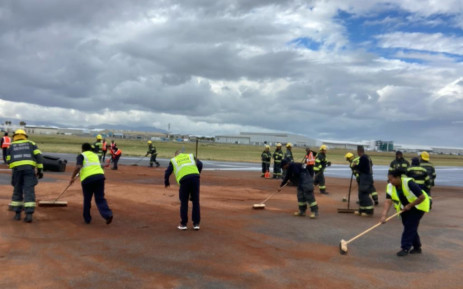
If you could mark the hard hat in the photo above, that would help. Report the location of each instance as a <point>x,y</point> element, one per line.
<point>288,145</point>
<point>323,147</point>
<point>99,136</point>
<point>267,146</point>
<point>278,144</point>
<point>425,156</point>
<point>149,142</point>
<point>349,155</point>
<point>20,131</point>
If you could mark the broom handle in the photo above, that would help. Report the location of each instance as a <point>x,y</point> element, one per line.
<point>65,190</point>
<point>368,230</point>
<point>350,187</point>
<point>271,195</point>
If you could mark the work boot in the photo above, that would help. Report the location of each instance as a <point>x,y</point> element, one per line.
<point>299,214</point>
<point>17,216</point>
<point>376,203</point>
<point>109,220</point>
<point>415,251</point>
<point>157,165</point>
<point>323,192</point>
<point>313,215</point>
<point>182,227</point>
<point>402,253</point>
<point>28,218</point>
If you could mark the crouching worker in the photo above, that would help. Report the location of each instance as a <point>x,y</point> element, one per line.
<point>186,169</point>
<point>23,156</point>
<point>406,195</point>
<point>92,179</point>
<point>301,177</point>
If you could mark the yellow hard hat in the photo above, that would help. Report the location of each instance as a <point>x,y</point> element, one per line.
<point>20,131</point>
<point>99,136</point>
<point>278,144</point>
<point>425,156</point>
<point>323,148</point>
<point>267,146</point>
<point>349,155</point>
<point>149,142</point>
<point>288,145</point>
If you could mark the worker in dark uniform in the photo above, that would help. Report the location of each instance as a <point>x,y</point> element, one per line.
<point>365,183</point>
<point>23,157</point>
<point>115,156</point>
<point>419,175</point>
<point>406,195</point>
<point>424,163</point>
<point>92,179</point>
<point>266,158</point>
<point>353,163</point>
<point>300,176</point>
<point>187,170</point>
<point>5,144</point>
<point>319,168</point>
<point>277,158</point>
<point>152,151</point>
<point>399,163</point>
<point>104,149</point>
<point>289,152</point>
<point>97,147</point>
<point>309,160</point>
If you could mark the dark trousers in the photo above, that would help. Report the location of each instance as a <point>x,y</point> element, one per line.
<point>319,181</point>
<point>115,161</point>
<point>95,188</point>
<point>277,169</point>
<point>306,197</point>
<point>24,182</point>
<point>411,221</point>
<point>364,191</point>
<point>189,190</point>
<point>153,160</point>
<point>265,167</point>
<point>4,154</point>
<point>104,156</point>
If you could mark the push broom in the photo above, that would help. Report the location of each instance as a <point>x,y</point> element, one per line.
<point>348,210</point>
<point>55,202</point>
<point>343,244</point>
<point>261,205</point>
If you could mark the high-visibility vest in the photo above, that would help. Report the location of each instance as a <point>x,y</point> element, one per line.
<point>184,164</point>
<point>310,159</point>
<point>392,192</point>
<point>91,165</point>
<point>104,146</point>
<point>6,142</point>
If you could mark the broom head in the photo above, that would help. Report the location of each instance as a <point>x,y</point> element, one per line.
<point>258,206</point>
<point>53,204</point>
<point>346,211</point>
<point>343,247</point>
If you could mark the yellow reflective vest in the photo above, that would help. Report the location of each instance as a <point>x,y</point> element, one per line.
<point>392,192</point>
<point>184,164</point>
<point>91,165</point>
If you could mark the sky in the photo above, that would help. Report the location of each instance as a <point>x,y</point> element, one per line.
<point>349,70</point>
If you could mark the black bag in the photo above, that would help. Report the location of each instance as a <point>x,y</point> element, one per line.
<point>54,164</point>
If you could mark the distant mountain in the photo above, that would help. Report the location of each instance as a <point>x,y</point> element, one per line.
<point>15,122</point>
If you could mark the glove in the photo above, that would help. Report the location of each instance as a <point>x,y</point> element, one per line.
<point>328,164</point>
<point>39,173</point>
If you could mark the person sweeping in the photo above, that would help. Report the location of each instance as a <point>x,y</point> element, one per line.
<point>304,181</point>
<point>406,196</point>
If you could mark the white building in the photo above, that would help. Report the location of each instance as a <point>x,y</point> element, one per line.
<point>256,138</point>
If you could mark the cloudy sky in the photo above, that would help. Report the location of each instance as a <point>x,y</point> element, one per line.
<point>339,70</point>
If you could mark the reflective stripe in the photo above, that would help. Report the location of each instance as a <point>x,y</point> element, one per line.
<point>322,187</point>
<point>16,204</point>
<point>374,194</point>
<point>22,163</point>
<point>313,204</point>
<point>301,203</point>
<point>29,204</point>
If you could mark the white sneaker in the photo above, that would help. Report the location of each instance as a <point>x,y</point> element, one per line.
<point>196,227</point>
<point>182,227</point>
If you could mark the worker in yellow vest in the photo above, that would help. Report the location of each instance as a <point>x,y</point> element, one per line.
<point>92,180</point>
<point>23,157</point>
<point>187,169</point>
<point>5,144</point>
<point>406,195</point>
